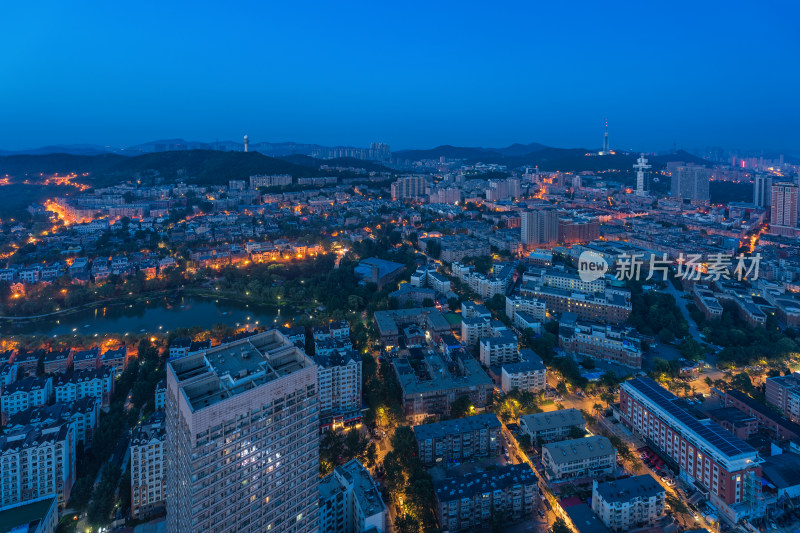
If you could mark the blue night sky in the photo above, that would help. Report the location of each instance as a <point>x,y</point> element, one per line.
<point>414,75</point>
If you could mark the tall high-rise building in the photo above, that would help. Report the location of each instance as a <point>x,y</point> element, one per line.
<point>408,187</point>
<point>243,437</point>
<point>689,182</point>
<point>642,175</point>
<point>762,190</point>
<point>148,479</point>
<point>783,213</point>
<point>539,227</point>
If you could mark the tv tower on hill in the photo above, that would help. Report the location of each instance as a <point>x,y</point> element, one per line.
<point>605,141</point>
<point>246,142</point>
<point>641,166</point>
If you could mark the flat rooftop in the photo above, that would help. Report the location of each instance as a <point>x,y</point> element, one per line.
<point>21,516</point>
<point>456,427</point>
<point>221,372</point>
<point>623,490</point>
<point>438,375</point>
<point>579,449</point>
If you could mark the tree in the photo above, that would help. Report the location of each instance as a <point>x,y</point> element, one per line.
<point>453,303</point>
<point>691,349</point>
<point>665,336</point>
<point>561,388</point>
<point>576,433</point>
<point>560,526</point>
<point>461,407</point>
<point>742,383</point>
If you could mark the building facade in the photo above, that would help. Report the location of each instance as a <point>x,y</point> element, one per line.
<point>469,501</point>
<point>350,501</point>
<point>629,503</point>
<point>37,462</point>
<point>148,475</point>
<point>553,425</point>
<point>577,458</point>
<point>457,440</point>
<point>242,427</point>
<point>723,467</point>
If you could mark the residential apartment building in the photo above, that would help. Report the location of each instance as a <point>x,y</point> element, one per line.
<point>470,501</point>
<point>242,428</point>
<point>148,474</point>
<point>37,462</point>
<point>619,344</point>
<point>576,458</point>
<point>612,306</point>
<point>339,379</point>
<point>457,440</point>
<point>350,501</point>
<point>499,350</point>
<point>409,187</point>
<point>475,328</point>
<point>431,389</point>
<point>116,359</point>
<point>567,281</point>
<point>84,414</point>
<point>428,277</point>
<point>723,467</point>
<point>8,374</point>
<point>97,383</point>
<point>161,395</point>
<point>539,227</point>
<point>36,516</point>
<point>24,394</point>
<point>689,182</point>
<point>390,324</point>
<point>629,503</point>
<point>86,359</point>
<point>552,426</point>
<point>529,374</point>
<point>518,304</point>
<point>777,426</point>
<point>56,361</point>
<point>784,393</point>
<point>783,209</point>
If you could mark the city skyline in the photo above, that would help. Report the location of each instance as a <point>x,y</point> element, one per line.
<point>461,77</point>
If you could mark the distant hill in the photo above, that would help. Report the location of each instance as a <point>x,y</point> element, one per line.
<point>76,149</point>
<point>346,162</point>
<point>545,157</point>
<point>193,166</point>
<point>517,149</point>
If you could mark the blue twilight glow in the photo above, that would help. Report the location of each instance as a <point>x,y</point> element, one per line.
<point>410,74</point>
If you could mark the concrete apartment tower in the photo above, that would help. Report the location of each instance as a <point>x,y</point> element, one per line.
<point>242,438</point>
